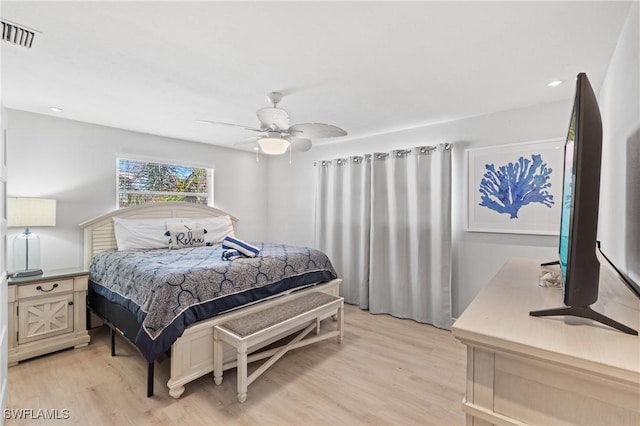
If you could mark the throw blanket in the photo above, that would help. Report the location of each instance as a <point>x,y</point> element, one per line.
<point>169,290</point>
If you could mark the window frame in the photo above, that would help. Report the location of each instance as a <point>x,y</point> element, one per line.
<point>147,159</point>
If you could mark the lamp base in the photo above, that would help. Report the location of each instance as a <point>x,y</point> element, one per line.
<point>27,273</point>
<point>26,253</point>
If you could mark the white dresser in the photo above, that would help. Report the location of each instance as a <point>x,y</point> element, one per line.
<point>549,370</point>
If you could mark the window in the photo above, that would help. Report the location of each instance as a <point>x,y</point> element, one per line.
<point>142,182</point>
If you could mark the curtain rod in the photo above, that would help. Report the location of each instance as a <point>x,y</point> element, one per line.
<point>381,155</point>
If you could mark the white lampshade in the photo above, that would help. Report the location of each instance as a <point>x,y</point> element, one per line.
<point>31,212</point>
<point>26,246</point>
<point>273,146</point>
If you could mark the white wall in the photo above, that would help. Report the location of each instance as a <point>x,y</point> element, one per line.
<point>619,100</point>
<point>75,163</point>
<point>476,256</point>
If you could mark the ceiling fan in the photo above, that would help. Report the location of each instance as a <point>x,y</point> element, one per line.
<point>277,134</point>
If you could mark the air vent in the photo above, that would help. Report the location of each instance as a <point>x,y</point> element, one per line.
<point>17,34</point>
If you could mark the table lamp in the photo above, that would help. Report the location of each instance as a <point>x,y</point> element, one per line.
<point>26,246</point>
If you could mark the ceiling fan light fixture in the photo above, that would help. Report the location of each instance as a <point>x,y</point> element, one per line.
<point>273,146</point>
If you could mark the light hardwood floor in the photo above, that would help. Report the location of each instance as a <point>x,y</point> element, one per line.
<point>388,371</point>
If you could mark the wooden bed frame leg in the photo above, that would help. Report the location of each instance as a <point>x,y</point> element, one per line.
<point>113,342</point>
<point>176,391</point>
<point>150,380</point>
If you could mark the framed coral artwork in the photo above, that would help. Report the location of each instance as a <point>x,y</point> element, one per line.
<point>515,188</point>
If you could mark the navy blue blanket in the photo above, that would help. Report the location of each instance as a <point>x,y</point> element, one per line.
<point>168,290</point>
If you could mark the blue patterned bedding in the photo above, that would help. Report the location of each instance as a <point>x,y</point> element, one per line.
<point>168,290</point>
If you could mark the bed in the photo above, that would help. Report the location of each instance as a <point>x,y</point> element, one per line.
<point>187,331</point>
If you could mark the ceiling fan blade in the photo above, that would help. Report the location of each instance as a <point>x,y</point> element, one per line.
<point>253,129</point>
<point>299,144</point>
<point>247,141</point>
<point>273,118</point>
<point>317,130</point>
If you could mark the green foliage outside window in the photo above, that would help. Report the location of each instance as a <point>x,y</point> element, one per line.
<point>142,182</point>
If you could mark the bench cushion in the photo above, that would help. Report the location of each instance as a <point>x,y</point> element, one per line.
<point>252,323</point>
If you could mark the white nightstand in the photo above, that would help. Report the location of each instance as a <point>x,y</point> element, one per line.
<point>47,313</point>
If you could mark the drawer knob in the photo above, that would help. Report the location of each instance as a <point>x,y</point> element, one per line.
<point>55,285</point>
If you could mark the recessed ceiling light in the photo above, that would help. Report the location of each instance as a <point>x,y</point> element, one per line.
<point>555,83</point>
<point>55,109</point>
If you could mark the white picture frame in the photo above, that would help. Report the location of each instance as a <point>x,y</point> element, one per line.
<point>508,190</point>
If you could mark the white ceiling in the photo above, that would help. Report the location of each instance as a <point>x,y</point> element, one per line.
<point>368,67</point>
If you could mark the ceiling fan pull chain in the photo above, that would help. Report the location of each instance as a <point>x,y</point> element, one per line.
<point>290,154</point>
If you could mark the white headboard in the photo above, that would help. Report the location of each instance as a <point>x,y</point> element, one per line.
<point>99,235</point>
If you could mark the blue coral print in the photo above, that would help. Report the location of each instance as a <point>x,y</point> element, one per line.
<point>512,186</point>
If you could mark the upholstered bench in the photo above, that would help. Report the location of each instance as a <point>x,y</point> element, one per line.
<point>251,330</point>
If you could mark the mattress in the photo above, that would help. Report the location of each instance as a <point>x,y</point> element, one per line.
<point>168,290</point>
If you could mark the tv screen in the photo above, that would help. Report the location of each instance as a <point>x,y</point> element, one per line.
<point>580,268</point>
<point>567,191</point>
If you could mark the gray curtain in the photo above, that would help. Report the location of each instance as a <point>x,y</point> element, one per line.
<point>343,200</point>
<point>384,220</point>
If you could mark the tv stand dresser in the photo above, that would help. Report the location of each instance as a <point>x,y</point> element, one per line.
<point>553,370</point>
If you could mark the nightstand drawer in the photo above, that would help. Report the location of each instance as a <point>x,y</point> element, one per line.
<point>45,288</point>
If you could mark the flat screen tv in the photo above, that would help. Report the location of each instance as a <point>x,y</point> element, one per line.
<point>580,268</point>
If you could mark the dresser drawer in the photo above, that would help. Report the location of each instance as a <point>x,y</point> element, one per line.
<point>45,288</point>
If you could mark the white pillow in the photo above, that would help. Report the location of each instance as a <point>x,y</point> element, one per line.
<point>134,234</point>
<point>217,227</point>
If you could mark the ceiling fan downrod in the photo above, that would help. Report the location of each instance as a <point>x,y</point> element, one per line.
<point>274,98</point>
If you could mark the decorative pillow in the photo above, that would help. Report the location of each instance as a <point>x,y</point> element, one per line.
<point>231,243</point>
<point>185,235</point>
<point>217,227</point>
<point>134,234</point>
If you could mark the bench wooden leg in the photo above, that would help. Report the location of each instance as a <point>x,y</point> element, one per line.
<point>217,357</point>
<point>341,322</point>
<point>242,372</point>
